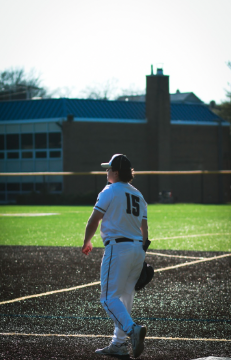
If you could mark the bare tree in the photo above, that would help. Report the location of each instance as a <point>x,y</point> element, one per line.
<point>109,91</point>
<point>132,93</point>
<point>62,92</point>
<point>15,84</point>
<point>224,109</point>
<point>228,92</point>
<point>104,91</point>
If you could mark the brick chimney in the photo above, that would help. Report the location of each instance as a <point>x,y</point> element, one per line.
<point>158,127</point>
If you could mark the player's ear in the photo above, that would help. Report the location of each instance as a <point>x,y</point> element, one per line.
<point>117,174</point>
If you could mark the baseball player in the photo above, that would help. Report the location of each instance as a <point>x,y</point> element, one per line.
<point>124,230</point>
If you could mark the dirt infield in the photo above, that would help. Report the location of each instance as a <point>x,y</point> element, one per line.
<point>186,309</point>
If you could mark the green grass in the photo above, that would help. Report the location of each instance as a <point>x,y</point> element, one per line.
<point>166,223</point>
<point>212,222</point>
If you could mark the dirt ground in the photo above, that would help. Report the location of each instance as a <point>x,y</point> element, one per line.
<point>186,309</point>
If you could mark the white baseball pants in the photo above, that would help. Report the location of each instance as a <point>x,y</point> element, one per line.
<point>120,269</point>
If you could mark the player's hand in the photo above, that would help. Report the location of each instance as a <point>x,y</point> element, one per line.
<point>87,248</point>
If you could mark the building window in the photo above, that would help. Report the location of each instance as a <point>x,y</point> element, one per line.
<point>13,187</point>
<point>40,187</point>
<point>27,154</point>
<point>22,146</point>
<point>54,140</point>
<point>41,141</point>
<point>13,155</point>
<point>12,141</point>
<point>2,142</point>
<point>27,186</point>
<point>55,154</point>
<point>55,186</point>
<point>41,154</point>
<point>2,197</point>
<point>12,197</point>
<point>2,186</point>
<point>26,141</point>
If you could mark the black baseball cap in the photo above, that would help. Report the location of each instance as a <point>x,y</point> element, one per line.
<point>118,162</point>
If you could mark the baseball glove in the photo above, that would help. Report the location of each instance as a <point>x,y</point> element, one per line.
<point>146,276</point>
<point>147,272</point>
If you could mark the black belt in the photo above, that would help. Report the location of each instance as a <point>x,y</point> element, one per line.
<point>119,240</point>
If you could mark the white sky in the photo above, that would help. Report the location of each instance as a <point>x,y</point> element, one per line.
<point>75,44</point>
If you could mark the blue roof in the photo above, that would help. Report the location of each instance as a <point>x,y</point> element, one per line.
<point>60,108</point>
<point>97,109</point>
<point>192,112</point>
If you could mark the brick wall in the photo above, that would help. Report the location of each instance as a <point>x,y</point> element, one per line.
<point>155,145</point>
<point>197,148</point>
<point>87,145</point>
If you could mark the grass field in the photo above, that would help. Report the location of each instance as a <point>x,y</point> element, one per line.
<point>175,227</point>
<point>49,297</point>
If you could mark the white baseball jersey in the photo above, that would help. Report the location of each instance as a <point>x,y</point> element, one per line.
<point>124,208</point>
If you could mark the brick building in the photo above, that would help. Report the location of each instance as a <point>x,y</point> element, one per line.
<point>77,135</point>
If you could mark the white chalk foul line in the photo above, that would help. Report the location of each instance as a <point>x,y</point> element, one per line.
<point>98,282</point>
<point>189,236</point>
<point>110,336</point>
<point>193,262</point>
<point>176,256</point>
<point>50,293</point>
<point>30,214</point>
